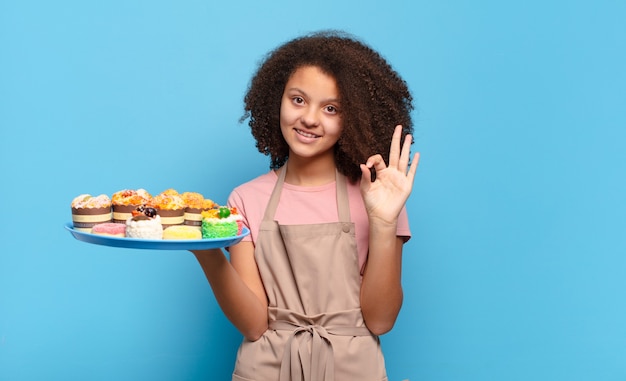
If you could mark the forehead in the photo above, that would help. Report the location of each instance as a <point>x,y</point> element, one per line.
<point>312,78</point>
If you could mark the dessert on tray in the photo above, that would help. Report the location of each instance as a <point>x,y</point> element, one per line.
<point>170,206</point>
<point>182,232</point>
<point>221,222</point>
<point>195,203</point>
<point>168,216</point>
<point>127,200</point>
<point>110,228</point>
<point>145,223</point>
<point>88,211</point>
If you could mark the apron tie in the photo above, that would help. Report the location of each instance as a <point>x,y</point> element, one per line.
<point>319,363</point>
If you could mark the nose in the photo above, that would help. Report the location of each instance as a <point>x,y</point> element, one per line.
<point>310,118</point>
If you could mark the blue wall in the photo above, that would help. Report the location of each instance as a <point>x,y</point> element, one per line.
<point>516,268</point>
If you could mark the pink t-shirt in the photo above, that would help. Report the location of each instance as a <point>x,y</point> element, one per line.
<point>305,205</point>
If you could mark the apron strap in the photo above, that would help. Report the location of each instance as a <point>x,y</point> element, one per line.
<point>343,203</point>
<point>275,197</point>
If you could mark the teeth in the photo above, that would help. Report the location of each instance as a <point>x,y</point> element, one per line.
<point>306,134</point>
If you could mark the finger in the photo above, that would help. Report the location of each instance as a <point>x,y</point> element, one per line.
<point>366,176</point>
<point>405,155</point>
<point>413,168</point>
<point>394,150</point>
<point>376,161</point>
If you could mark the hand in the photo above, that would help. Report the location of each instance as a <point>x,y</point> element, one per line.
<point>385,197</point>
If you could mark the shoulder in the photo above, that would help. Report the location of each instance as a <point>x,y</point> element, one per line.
<point>254,194</point>
<point>263,184</point>
<point>251,199</point>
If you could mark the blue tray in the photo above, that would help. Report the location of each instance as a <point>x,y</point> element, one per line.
<point>156,244</point>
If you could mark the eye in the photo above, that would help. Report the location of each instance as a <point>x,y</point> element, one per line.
<point>297,100</point>
<point>331,109</point>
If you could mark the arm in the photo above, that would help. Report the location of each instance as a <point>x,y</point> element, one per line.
<point>381,289</point>
<point>384,198</point>
<point>237,287</point>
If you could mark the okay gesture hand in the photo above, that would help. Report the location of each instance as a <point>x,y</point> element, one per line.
<point>385,197</point>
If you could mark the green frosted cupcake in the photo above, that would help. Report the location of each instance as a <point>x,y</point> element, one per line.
<point>218,228</point>
<point>220,223</point>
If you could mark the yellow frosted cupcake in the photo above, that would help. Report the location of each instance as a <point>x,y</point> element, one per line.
<point>170,206</point>
<point>127,200</point>
<point>195,203</point>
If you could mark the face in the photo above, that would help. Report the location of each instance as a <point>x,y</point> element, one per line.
<point>310,114</point>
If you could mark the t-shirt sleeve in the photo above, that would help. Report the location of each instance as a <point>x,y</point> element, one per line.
<point>236,200</point>
<point>403,229</point>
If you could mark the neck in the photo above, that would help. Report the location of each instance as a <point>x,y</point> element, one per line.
<point>310,172</point>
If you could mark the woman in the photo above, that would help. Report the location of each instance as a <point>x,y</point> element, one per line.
<point>318,279</point>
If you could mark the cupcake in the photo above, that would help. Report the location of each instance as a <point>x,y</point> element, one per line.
<point>127,200</point>
<point>144,223</point>
<point>222,222</point>
<point>170,206</point>
<point>195,203</point>
<point>88,211</point>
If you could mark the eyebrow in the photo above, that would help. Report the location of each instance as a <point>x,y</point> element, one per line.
<point>330,100</point>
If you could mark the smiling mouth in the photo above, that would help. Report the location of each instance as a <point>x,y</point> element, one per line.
<point>306,134</point>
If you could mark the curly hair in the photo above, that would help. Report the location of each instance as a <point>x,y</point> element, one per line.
<point>374,98</point>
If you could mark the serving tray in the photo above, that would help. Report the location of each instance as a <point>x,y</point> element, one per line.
<point>156,244</point>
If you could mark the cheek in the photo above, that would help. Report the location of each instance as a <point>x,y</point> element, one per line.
<point>287,115</point>
<point>336,126</point>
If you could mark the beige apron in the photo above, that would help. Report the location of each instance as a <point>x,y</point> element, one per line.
<point>311,276</point>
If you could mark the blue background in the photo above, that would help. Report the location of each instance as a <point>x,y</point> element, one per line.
<point>516,268</point>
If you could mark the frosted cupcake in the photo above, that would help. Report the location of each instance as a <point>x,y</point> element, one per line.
<point>195,203</point>
<point>88,211</point>
<point>145,223</point>
<point>222,222</point>
<point>127,200</point>
<point>170,206</point>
